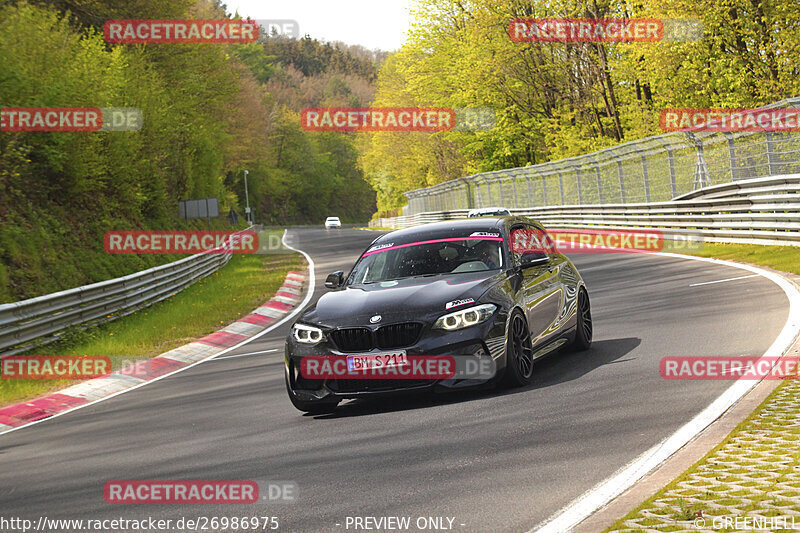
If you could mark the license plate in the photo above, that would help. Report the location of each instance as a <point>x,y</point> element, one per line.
<point>376,361</point>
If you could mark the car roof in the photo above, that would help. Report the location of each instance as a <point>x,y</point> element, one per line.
<point>488,209</point>
<point>461,227</point>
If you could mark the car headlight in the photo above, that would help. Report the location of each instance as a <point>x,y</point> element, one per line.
<point>465,317</point>
<point>307,334</point>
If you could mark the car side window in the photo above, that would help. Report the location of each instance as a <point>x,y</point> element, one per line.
<point>529,240</point>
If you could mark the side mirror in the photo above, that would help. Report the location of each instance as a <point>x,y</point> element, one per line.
<point>334,280</point>
<point>534,259</point>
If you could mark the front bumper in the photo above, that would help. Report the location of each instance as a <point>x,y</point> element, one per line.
<point>487,339</point>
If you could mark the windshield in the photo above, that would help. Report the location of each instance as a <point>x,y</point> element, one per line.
<point>427,258</point>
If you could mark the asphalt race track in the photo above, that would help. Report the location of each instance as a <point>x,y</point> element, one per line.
<point>492,461</point>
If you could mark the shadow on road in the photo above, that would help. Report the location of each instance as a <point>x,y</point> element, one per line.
<point>552,370</point>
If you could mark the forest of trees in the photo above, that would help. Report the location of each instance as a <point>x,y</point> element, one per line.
<point>555,100</point>
<point>210,111</point>
<point>213,110</point>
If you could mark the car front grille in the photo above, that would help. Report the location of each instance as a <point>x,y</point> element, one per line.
<point>397,335</point>
<point>352,339</point>
<point>388,337</point>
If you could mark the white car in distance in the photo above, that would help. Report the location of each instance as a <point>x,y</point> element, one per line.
<point>333,222</point>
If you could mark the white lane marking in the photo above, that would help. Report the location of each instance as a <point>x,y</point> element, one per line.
<point>605,491</point>
<point>303,304</point>
<point>723,280</point>
<point>244,354</point>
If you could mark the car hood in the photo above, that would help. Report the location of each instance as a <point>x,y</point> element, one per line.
<point>406,299</point>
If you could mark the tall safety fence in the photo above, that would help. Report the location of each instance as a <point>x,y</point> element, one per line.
<point>655,169</point>
<point>754,211</point>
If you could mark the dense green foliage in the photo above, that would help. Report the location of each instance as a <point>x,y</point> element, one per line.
<point>210,111</point>
<point>555,100</point>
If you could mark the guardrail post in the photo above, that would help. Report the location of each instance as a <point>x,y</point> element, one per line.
<point>561,186</point>
<point>672,183</point>
<point>530,194</point>
<point>514,188</point>
<point>468,191</point>
<point>578,183</point>
<point>671,162</point>
<point>620,175</point>
<point>544,191</point>
<point>732,155</point>
<point>645,177</point>
<point>597,176</point>
<point>772,165</point>
<point>488,190</point>
<point>701,177</point>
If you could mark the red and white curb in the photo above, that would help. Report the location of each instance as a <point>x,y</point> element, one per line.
<point>287,298</point>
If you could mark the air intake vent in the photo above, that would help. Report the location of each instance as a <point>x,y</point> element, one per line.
<point>397,335</point>
<point>352,339</point>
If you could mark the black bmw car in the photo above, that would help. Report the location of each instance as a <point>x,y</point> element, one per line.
<point>472,288</point>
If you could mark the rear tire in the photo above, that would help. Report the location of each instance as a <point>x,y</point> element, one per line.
<point>584,326</point>
<point>519,352</point>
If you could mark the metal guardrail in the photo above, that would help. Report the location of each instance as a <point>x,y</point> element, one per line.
<point>753,211</point>
<point>654,169</point>
<point>36,321</point>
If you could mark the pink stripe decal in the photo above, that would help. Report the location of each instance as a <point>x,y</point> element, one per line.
<point>433,241</point>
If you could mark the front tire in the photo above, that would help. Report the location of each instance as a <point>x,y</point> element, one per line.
<point>519,352</point>
<point>584,326</point>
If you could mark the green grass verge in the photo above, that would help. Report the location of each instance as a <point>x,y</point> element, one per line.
<point>682,511</point>
<point>785,258</point>
<point>245,283</point>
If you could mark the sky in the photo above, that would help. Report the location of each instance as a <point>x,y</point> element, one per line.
<point>380,24</point>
